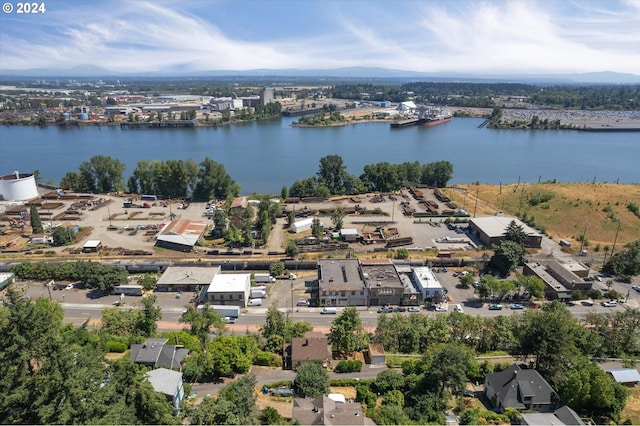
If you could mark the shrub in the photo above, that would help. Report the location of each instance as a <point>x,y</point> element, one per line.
<point>267,359</point>
<point>113,346</point>
<point>349,366</point>
<point>351,382</point>
<point>594,294</point>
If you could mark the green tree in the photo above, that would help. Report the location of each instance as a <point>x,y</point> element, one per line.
<point>316,228</point>
<point>626,263</point>
<point>62,236</point>
<point>337,217</point>
<point>591,392</point>
<point>347,334</point>
<point>507,256</point>
<point>389,380</point>
<point>532,284</point>
<point>284,193</point>
<point>515,233</point>
<point>311,380</point>
<point>242,395</point>
<point>548,334</point>
<point>332,173</point>
<point>102,174</point>
<point>201,321</point>
<point>292,249</point>
<point>276,269</point>
<point>271,416</point>
<point>36,223</point>
<point>146,324</point>
<point>214,182</point>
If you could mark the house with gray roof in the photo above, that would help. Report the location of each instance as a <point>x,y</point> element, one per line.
<point>326,411</point>
<point>520,389</point>
<point>154,352</point>
<point>562,416</point>
<point>169,383</point>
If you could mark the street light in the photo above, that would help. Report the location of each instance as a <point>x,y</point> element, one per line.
<point>291,281</point>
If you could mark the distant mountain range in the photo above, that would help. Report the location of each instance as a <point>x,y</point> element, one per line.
<point>349,73</point>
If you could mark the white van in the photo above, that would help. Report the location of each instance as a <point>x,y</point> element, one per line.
<point>255,302</point>
<point>458,308</point>
<point>329,311</point>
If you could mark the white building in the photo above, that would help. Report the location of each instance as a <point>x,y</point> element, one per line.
<point>229,289</point>
<point>426,282</point>
<point>302,225</point>
<point>18,187</point>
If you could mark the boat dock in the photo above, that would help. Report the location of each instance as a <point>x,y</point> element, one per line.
<point>404,123</point>
<point>166,124</point>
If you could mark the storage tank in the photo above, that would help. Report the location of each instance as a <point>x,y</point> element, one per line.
<point>18,187</point>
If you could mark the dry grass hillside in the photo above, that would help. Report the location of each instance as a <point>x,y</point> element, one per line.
<point>565,210</point>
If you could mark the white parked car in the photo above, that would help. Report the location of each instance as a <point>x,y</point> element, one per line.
<point>610,304</point>
<point>414,309</point>
<point>442,308</point>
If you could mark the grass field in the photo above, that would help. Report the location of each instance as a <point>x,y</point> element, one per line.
<point>631,410</point>
<point>564,210</point>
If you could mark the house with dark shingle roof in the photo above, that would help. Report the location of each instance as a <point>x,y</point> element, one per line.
<point>311,347</point>
<point>326,411</point>
<point>562,416</point>
<point>520,389</point>
<point>156,353</point>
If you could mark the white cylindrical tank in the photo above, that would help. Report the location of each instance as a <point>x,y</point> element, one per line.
<point>18,187</point>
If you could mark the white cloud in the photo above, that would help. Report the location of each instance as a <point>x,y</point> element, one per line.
<point>446,36</point>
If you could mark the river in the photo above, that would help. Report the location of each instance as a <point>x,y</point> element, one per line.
<point>265,156</point>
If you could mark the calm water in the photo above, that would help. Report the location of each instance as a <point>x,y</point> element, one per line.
<point>263,157</point>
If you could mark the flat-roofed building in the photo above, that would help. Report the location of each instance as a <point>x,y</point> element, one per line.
<point>229,289</point>
<point>341,283</point>
<point>491,230</point>
<point>427,283</point>
<point>559,281</point>
<point>186,278</point>
<point>382,281</point>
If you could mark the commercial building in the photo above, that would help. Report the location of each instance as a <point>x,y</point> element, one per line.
<point>490,230</point>
<point>18,187</point>
<point>187,278</point>
<point>341,283</point>
<point>383,282</point>
<point>559,281</point>
<point>427,283</point>
<point>229,289</point>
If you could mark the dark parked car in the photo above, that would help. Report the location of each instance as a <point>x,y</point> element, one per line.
<point>399,309</point>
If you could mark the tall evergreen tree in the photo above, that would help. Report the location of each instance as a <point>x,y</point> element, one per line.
<point>36,223</point>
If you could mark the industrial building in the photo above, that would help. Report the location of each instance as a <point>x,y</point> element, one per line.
<point>301,225</point>
<point>18,187</point>
<point>181,235</point>
<point>490,230</point>
<point>340,283</point>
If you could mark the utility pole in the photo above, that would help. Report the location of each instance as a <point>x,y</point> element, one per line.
<point>476,205</point>
<point>613,249</point>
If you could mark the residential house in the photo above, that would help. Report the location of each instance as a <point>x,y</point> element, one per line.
<point>520,389</point>
<point>341,283</point>
<point>169,383</point>
<point>311,347</point>
<point>328,411</point>
<point>562,416</point>
<point>154,352</point>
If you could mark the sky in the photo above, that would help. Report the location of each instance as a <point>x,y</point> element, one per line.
<point>471,37</point>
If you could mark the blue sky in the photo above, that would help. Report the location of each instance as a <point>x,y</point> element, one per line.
<point>470,37</point>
